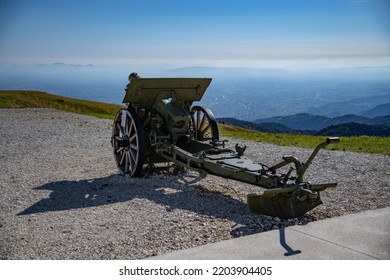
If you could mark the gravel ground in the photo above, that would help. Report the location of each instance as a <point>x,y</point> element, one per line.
<point>62,198</point>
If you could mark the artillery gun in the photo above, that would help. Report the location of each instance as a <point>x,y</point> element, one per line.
<point>161,125</point>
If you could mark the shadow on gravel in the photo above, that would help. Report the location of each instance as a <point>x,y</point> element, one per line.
<point>179,193</point>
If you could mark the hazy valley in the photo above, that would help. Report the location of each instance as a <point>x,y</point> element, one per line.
<point>297,101</point>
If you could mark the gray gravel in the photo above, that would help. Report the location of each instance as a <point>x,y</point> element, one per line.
<point>62,198</point>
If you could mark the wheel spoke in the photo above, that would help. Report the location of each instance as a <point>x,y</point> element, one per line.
<point>131,129</point>
<point>204,125</point>
<point>134,136</point>
<point>126,127</point>
<point>197,119</point>
<point>202,122</point>
<point>134,147</point>
<point>202,132</point>
<point>121,133</point>
<point>133,157</point>
<point>127,162</point>
<point>126,131</point>
<point>123,155</point>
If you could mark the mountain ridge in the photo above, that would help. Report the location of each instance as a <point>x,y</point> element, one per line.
<point>359,106</point>
<point>306,121</point>
<point>380,110</point>
<point>307,124</point>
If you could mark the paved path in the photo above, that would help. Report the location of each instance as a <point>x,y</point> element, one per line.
<point>364,236</point>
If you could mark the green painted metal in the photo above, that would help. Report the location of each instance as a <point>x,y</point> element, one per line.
<point>176,133</point>
<point>146,91</point>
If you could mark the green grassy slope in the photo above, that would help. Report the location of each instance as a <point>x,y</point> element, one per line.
<point>36,99</point>
<point>367,144</point>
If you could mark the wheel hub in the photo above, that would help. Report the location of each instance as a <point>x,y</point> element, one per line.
<point>123,142</point>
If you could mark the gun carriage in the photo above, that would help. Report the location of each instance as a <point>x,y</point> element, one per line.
<point>161,125</point>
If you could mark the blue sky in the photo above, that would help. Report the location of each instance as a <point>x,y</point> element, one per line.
<point>266,33</point>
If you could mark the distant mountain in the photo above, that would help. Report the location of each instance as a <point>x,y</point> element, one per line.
<point>355,129</point>
<point>345,129</point>
<point>346,119</point>
<point>264,127</point>
<point>381,120</point>
<point>380,110</point>
<point>231,72</point>
<point>357,106</point>
<point>304,121</point>
<point>65,65</point>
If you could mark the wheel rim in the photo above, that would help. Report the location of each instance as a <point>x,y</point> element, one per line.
<point>204,125</point>
<point>128,143</point>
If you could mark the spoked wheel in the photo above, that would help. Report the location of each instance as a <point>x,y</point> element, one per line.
<point>203,124</point>
<point>128,142</point>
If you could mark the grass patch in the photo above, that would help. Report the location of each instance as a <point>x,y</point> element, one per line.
<point>366,144</point>
<point>38,99</point>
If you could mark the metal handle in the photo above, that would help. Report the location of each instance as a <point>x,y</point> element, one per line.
<point>302,170</point>
<point>332,140</point>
